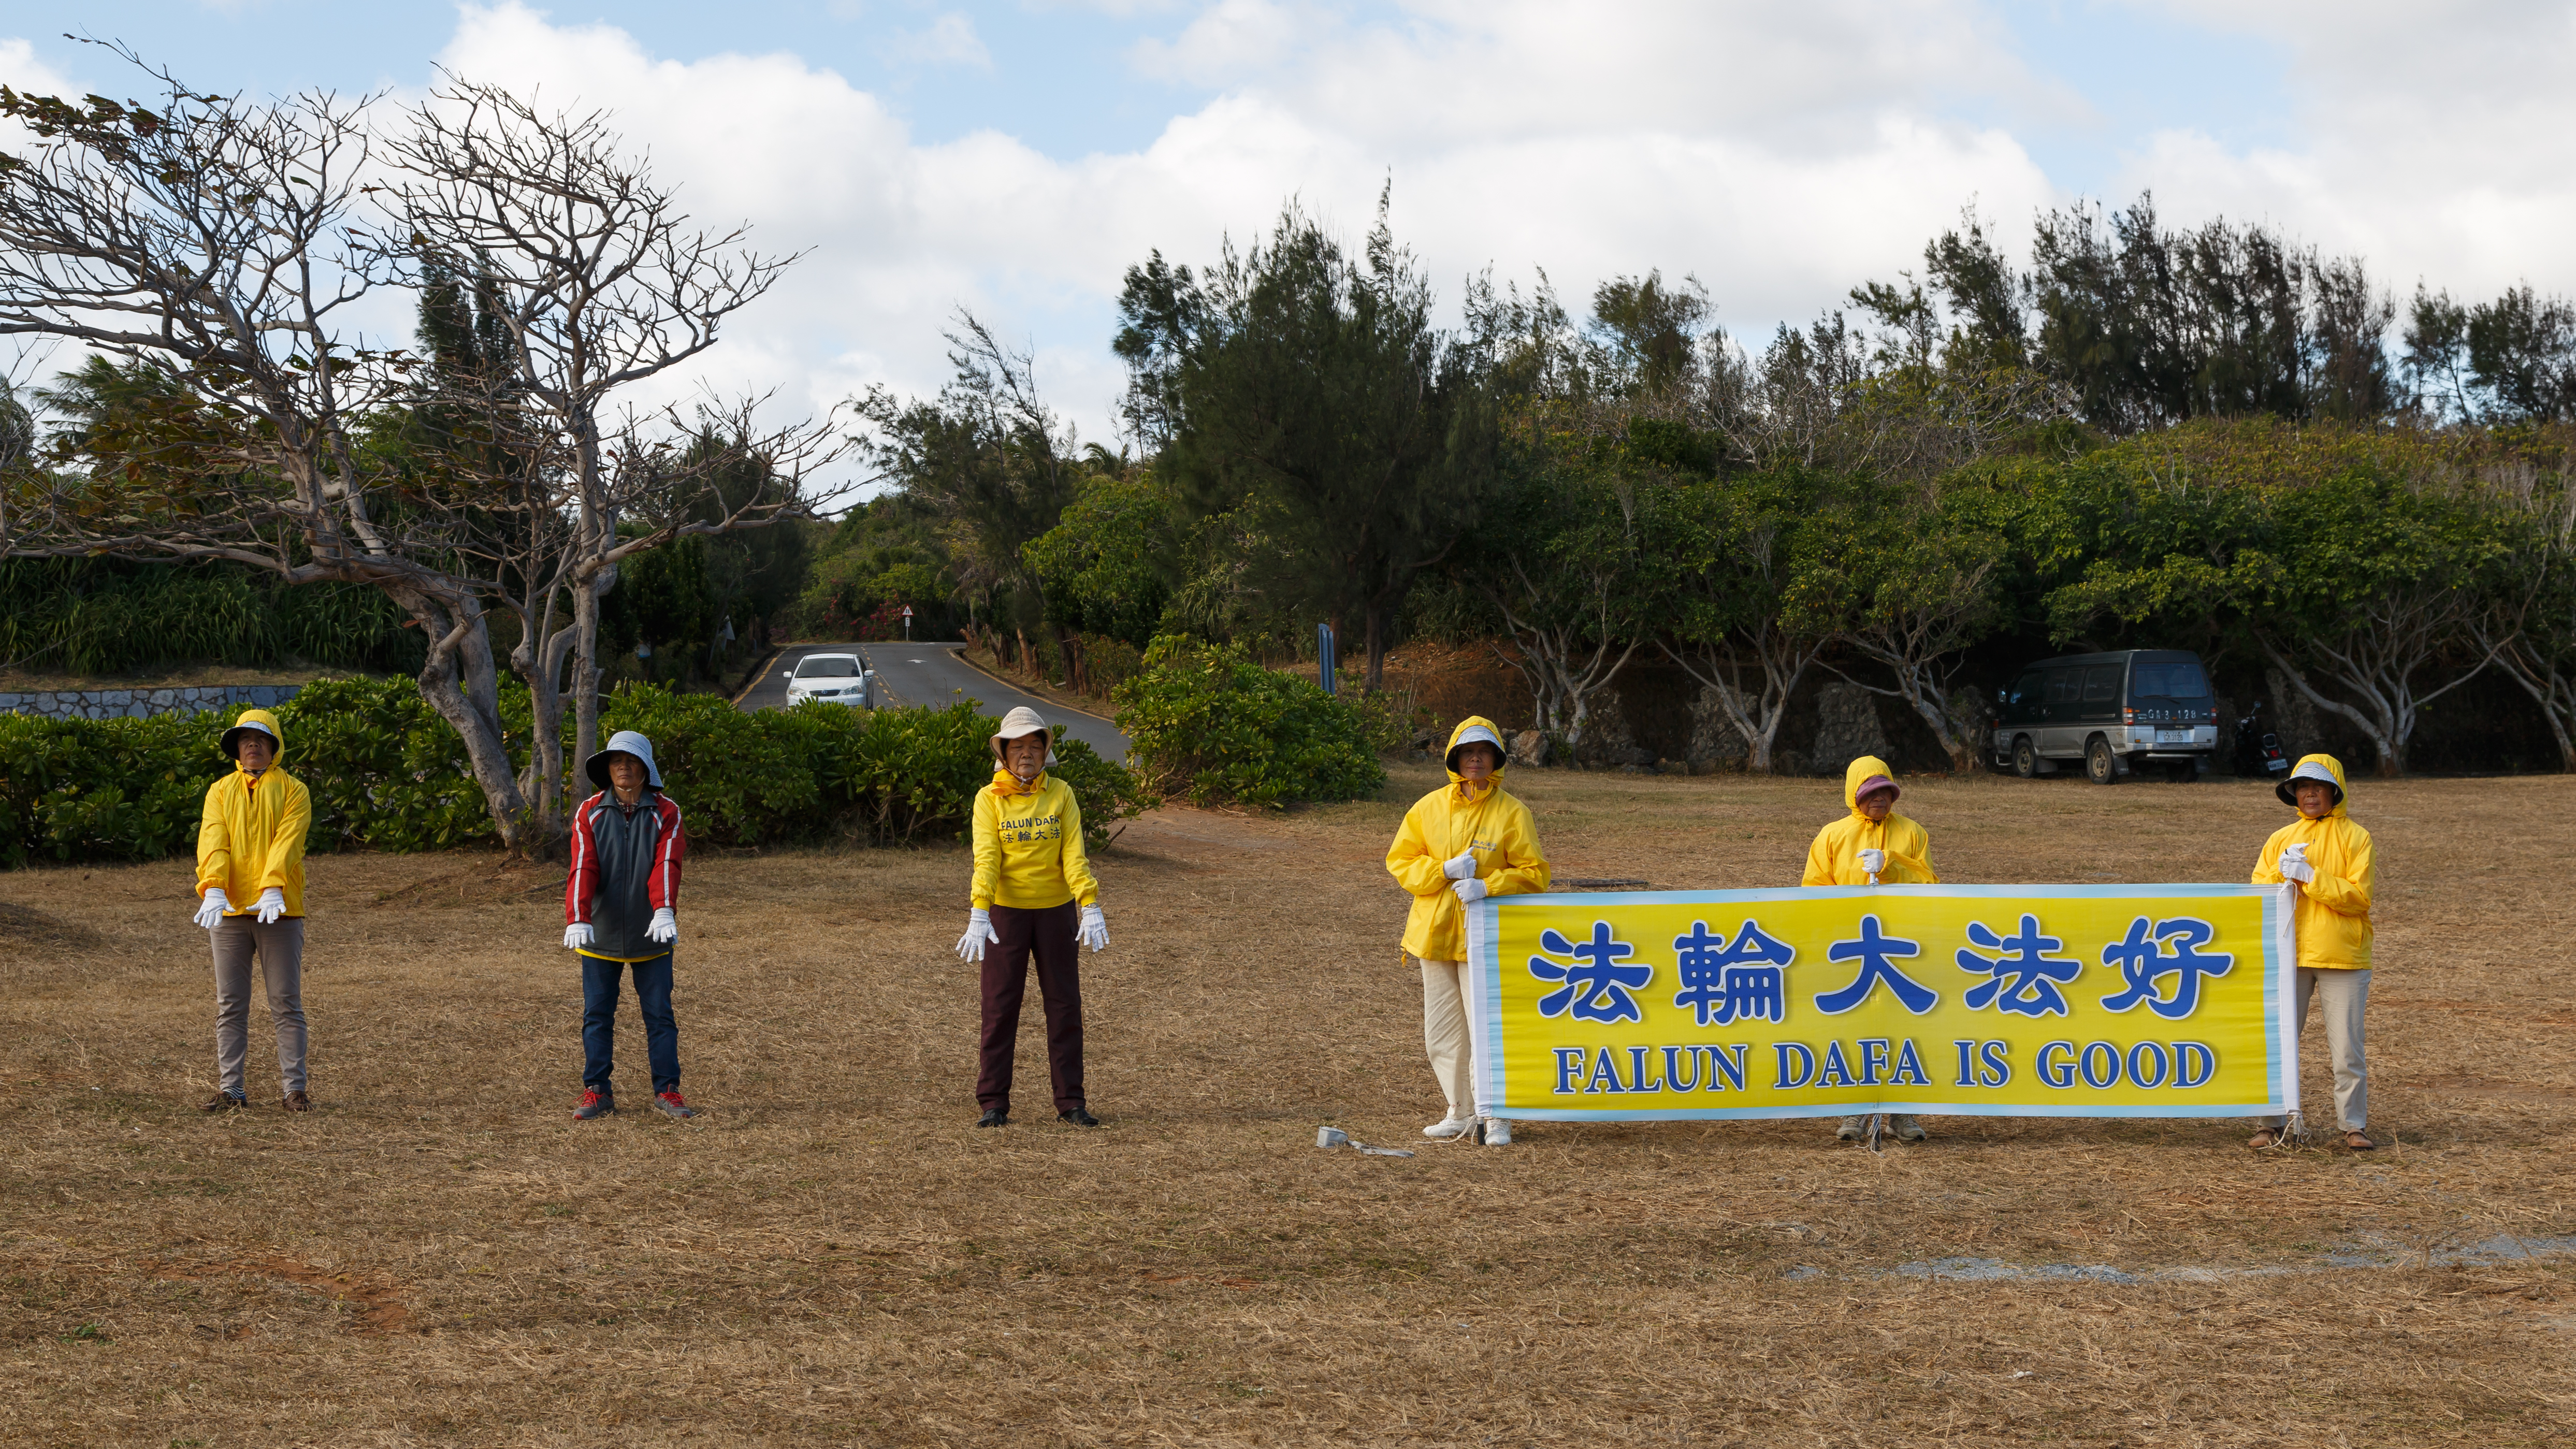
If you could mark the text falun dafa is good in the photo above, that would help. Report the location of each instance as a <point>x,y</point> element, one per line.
<point>2022,1001</point>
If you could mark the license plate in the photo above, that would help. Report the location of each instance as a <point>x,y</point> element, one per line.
<point>2173,737</point>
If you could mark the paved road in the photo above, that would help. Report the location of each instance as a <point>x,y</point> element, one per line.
<point>932,674</point>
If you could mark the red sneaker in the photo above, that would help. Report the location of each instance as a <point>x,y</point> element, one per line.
<point>671,1104</point>
<point>594,1103</point>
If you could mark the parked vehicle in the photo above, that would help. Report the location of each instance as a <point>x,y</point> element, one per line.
<point>2117,713</point>
<point>835,678</point>
<point>2258,750</point>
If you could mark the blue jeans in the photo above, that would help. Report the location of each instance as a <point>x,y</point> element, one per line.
<point>599,1020</point>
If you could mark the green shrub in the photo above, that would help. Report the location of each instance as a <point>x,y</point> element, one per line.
<point>115,789</point>
<point>386,773</point>
<point>1208,722</point>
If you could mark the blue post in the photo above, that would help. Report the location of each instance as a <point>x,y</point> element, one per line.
<point>1324,657</point>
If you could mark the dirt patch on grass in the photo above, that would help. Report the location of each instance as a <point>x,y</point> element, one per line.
<point>833,1254</point>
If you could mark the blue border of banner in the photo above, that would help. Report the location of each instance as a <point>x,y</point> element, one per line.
<point>2281,966</point>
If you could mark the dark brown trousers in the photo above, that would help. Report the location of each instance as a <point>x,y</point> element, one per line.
<point>1048,936</point>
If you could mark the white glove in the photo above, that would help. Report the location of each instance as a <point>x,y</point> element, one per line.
<point>1460,866</point>
<point>1095,928</point>
<point>979,929</point>
<point>271,905</point>
<point>665,928</point>
<point>210,913</point>
<point>1470,889</point>
<point>577,935</point>
<point>2294,866</point>
<point>1873,861</point>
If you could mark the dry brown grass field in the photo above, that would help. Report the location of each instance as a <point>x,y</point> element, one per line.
<point>833,1255</point>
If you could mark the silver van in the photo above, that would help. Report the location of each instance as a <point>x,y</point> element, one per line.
<point>2136,709</point>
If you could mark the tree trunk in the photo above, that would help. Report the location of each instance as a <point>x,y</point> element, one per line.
<point>1376,649</point>
<point>585,665</point>
<point>538,661</point>
<point>458,681</point>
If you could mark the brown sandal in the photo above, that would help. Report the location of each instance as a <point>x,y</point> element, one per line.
<point>2359,1141</point>
<point>2267,1137</point>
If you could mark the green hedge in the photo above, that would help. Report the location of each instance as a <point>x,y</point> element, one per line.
<point>1206,721</point>
<point>386,773</point>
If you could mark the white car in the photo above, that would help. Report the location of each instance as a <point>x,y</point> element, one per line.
<point>839,678</point>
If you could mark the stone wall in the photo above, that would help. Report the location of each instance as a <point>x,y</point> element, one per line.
<point>1847,727</point>
<point>139,703</point>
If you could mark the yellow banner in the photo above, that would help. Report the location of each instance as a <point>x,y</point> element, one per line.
<point>2012,1001</point>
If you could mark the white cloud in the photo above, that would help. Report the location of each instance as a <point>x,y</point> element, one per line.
<point>1781,153</point>
<point>2436,143</point>
<point>1781,158</point>
<point>950,40</point>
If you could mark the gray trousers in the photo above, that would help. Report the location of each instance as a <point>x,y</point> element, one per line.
<point>279,946</point>
<point>2340,996</point>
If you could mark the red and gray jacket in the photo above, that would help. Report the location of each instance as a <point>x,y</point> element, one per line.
<point>625,866</point>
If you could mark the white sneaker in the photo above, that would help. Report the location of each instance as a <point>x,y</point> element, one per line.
<point>1498,1132</point>
<point>1455,1126</point>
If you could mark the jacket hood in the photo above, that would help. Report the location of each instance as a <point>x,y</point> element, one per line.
<point>2315,767</point>
<point>1007,785</point>
<point>1475,729</point>
<point>255,719</point>
<point>1857,771</point>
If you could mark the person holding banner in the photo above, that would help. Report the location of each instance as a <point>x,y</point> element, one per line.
<point>1460,843</point>
<point>1873,845</point>
<point>1034,901</point>
<point>2329,859</point>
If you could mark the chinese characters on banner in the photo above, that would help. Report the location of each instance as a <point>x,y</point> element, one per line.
<point>2014,1001</point>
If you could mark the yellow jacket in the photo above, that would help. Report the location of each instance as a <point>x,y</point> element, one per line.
<point>1449,822</point>
<point>1028,845</point>
<point>1834,857</point>
<point>252,834</point>
<point>2334,909</point>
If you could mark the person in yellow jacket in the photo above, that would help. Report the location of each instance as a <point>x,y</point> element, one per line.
<point>1462,842</point>
<point>1031,875</point>
<point>1873,845</point>
<point>2328,859</point>
<point>250,901</point>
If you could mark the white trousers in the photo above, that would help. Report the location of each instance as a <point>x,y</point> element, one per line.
<point>1444,1035</point>
<point>2340,996</point>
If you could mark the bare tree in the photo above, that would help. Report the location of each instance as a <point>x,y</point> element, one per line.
<point>602,284</point>
<point>222,243</point>
<point>222,246</point>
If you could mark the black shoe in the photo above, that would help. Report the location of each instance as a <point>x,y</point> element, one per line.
<point>994,1117</point>
<point>1079,1117</point>
<point>594,1103</point>
<point>226,1102</point>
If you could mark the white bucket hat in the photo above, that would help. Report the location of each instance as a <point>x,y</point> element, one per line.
<point>624,742</point>
<point>1474,735</point>
<point>2308,770</point>
<point>1022,721</point>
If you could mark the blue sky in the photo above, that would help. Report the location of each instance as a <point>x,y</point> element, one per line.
<point>1015,158</point>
